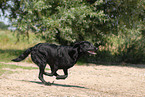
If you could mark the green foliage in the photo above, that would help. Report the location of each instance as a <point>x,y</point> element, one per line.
<point>116,26</point>
<point>3,26</point>
<point>65,21</point>
<point>57,20</point>
<point>128,47</point>
<point>125,13</point>
<point>133,47</point>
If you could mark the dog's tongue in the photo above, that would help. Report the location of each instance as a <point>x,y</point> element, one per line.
<point>91,52</point>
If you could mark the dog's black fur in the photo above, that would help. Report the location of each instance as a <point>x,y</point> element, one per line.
<point>58,57</point>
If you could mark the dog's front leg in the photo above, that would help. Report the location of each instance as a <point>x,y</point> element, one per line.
<point>63,76</point>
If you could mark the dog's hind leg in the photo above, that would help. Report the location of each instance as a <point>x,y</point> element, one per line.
<point>63,76</point>
<point>41,72</point>
<point>53,71</point>
<point>38,59</point>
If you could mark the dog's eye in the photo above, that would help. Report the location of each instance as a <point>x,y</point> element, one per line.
<point>88,46</point>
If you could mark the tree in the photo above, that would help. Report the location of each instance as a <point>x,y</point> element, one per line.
<point>128,14</point>
<point>58,20</point>
<point>65,21</point>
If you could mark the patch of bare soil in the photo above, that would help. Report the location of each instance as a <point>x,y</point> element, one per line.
<point>83,81</point>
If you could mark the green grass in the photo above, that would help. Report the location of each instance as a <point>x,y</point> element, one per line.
<point>10,48</point>
<point>2,66</point>
<point>11,66</point>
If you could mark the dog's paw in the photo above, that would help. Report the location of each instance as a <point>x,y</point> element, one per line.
<point>48,84</point>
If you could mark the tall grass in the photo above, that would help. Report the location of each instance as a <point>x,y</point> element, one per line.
<point>10,48</point>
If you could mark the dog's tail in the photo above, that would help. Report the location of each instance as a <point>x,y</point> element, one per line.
<point>23,56</point>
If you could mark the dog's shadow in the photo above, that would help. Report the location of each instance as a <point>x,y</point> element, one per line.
<point>55,84</point>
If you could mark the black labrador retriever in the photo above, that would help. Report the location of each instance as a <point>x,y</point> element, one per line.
<point>58,57</point>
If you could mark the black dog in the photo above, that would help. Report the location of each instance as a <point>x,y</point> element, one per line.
<point>58,57</point>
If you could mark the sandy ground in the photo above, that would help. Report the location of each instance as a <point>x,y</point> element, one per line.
<point>83,81</point>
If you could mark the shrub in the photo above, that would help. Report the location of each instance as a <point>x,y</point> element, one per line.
<point>132,49</point>
<point>128,46</point>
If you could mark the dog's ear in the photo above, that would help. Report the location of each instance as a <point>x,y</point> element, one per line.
<point>76,44</point>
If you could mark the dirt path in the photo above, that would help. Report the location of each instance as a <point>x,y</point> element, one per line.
<point>83,81</point>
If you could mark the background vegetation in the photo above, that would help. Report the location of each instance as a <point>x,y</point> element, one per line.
<point>116,27</point>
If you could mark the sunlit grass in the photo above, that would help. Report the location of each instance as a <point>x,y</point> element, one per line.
<point>10,48</point>
<point>3,66</point>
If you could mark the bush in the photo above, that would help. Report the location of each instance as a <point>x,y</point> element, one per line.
<point>132,50</point>
<point>128,46</point>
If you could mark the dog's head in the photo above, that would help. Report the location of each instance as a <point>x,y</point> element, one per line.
<point>85,47</point>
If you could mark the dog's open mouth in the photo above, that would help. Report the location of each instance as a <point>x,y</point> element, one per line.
<point>92,52</point>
